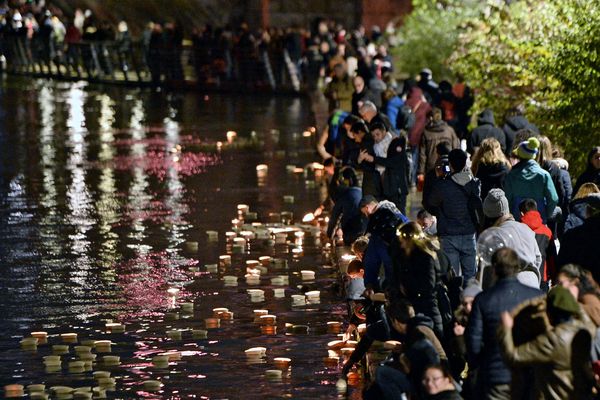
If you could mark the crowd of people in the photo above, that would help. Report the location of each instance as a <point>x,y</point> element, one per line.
<point>232,53</point>
<point>491,292</point>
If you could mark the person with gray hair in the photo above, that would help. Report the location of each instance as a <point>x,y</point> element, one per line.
<point>368,112</point>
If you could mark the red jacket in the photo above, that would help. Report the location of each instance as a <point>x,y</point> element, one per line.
<point>533,220</point>
<point>416,101</point>
<point>543,236</point>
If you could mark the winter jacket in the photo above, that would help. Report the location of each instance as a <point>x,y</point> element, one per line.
<point>543,236</point>
<point>365,95</point>
<point>417,278</point>
<point>528,180</point>
<point>580,246</point>
<point>588,176</point>
<point>560,359</point>
<point>397,169</point>
<point>382,227</point>
<point>352,221</point>
<point>562,184</point>
<point>420,108</point>
<point>491,177</point>
<point>483,348</point>
<point>434,134</point>
<point>445,395</point>
<point>392,109</point>
<point>512,126</point>
<point>515,235</point>
<point>577,214</point>
<point>339,93</point>
<point>448,201</point>
<point>486,128</point>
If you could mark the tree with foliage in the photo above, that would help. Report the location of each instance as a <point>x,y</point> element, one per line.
<point>430,34</point>
<point>542,54</point>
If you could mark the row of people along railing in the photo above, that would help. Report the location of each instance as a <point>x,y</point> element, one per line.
<point>139,65</point>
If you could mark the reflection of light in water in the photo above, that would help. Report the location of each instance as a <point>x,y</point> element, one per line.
<point>174,200</point>
<point>107,205</point>
<point>78,198</point>
<point>137,192</point>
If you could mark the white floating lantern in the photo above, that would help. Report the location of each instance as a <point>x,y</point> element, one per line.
<point>307,275</point>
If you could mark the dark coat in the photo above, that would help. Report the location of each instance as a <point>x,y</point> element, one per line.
<point>416,275</point>
<point>483,348</point>
<point>365,95</point>
<point>562,184</point>
<point>352,222</point>
<point>491,176</point>
<point>512,126</point>
<point>486,128</point>
<point>397,169</point>
<point>589,175</point>
<point>449,203</point>
<point>446,395</point>
<point>580,246</point>
<point>577,214</point>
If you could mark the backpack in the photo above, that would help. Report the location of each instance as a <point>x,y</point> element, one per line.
<point>406,118</point>
<point>475,207</point>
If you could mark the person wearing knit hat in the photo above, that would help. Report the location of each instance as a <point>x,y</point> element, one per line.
<point>528,180</point>
<point>495,204</point>
<point>504,231</point>
<point>528,149</point>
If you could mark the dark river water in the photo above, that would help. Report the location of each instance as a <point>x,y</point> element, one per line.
<point>101,189</point>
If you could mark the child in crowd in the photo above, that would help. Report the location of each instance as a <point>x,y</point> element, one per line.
<point>356,284</point>
<point>360,246</point>
<point>531,217</point>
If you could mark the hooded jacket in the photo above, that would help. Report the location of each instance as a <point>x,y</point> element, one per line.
<point>435,133</point>
<point>486,127</point>
<point>512,126</point>
<point>580,246</point>
<point>560,357</point>
<point>416,101</point>
<point>577,214</point>
<point>392,108</point>
<point>528,180</point>
<point>449,203</point>
<point>491,177</point>
<point>543,235</point>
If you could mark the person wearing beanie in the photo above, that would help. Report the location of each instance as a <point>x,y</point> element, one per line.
<point>504,231</point>
<point>528,180</point>
<point>449,201</point>
<point>579,245</point>
<point>560,357</point>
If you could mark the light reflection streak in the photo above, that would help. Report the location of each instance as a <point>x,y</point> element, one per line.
<point>78,198</point>
<point>137,192</point>
<point>107,205</point>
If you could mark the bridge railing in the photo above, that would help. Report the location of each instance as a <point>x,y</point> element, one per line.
<point>136,64</point>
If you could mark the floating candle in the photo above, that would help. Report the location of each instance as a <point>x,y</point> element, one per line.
<point>115,327</point>
<point>307,275</point>
<point>187,307</point>
<point>279,293</point>
<point>29,343</point>
<point>77,367</point>
<point>268,319</point>
<point>152,385</point>
<point>199,334</point>
<point>69,337</point>
<point>212,323</point>
<point>14,391</point>
<point>282,362</point>
<point>192,247</point>
<point>212,236</point>
<point>174,334</point>
<point>111,360</point>
<point>60,349</point>
<point>160,361</point>
<point>273,374</point>
<point>42,337</point>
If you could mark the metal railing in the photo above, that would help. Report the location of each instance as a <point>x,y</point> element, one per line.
<point>138,65</point>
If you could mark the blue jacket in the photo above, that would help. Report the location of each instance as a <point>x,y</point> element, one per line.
<point>448,201</point>
<point>392,108</point>
<point>483,347</point>
<point>352,222</point>
<point>375,255</point>
<point>527,180</point>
